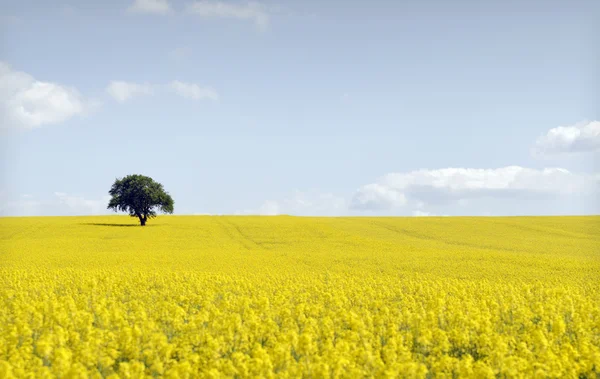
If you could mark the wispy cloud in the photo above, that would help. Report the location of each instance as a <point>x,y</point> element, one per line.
<point>24,205</point>
<point>377,196</point>
<point>150,6</point>
<point>124,91</point>
<point>82,206</point>
<point>193,91</point>
<point>58,204</point>
<point>302,204</point>
<point>419,213</point>
<point>249,11</point>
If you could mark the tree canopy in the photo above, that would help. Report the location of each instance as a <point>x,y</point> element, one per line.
<point>140,196</point>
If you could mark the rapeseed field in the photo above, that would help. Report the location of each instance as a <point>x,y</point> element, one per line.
<point>186,297</point>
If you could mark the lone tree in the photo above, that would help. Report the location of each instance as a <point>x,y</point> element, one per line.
<point>140,196</point>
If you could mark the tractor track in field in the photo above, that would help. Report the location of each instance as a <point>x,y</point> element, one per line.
<point>551,231</point>
<point>234,232</point>
<point>432,239</point>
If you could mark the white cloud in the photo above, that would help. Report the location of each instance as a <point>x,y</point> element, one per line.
<point>251,11</point>
<point>28,103</point>
<point>59,204</point>
<point>150,6</point>
<point>377,196</point>
<point>419,213</point>
<point>82,206</point>
<point>123,91</point>
<point>461,184</point>
<point>269,208</point>
<point>24,205</point>
<point>579,138</point>
<point>193,91</point>
<point>511,190</point>
<point>302,204</point>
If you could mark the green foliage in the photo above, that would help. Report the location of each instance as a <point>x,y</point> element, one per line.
<point>140,196</point>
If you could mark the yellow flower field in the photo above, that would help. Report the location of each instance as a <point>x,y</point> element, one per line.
<point>183,297</point>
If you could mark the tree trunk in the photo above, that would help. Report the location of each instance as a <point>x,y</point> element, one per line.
<point>142,220</point>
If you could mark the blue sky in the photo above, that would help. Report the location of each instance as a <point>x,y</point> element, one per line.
<point>306,108</point>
